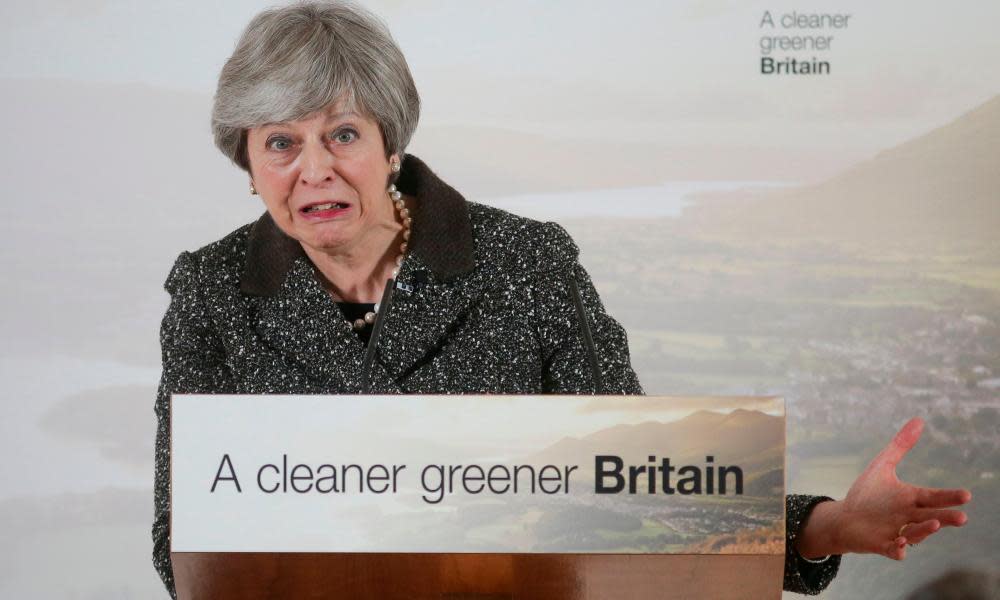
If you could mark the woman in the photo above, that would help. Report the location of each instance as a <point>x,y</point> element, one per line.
<point>368,274</point>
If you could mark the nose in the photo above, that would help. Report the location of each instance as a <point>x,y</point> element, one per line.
<point>318,164</point>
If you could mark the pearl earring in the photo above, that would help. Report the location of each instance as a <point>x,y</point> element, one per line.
<point>394,165</point>
<point>253,190</point>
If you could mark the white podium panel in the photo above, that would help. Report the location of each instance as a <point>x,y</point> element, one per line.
<point>482,474</point>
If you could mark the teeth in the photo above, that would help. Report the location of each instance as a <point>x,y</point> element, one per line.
<point>326,206</point>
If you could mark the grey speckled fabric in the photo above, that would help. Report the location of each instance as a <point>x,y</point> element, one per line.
<point>801,575</point>
<point>492,310</point>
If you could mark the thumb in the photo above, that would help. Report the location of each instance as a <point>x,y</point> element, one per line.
<point>901,443</point>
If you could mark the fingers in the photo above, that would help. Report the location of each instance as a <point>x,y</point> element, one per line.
<point>918,532</point>
<point>935,498</point>
<point>904,440</point>
<point>914,533</point>
<point>896,549</point>
<point>947,518</point>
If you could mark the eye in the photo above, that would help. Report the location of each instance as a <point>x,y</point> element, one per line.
<point>345,136</point>
<point>279,143</point>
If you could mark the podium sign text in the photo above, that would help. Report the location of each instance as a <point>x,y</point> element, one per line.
<point>477,474</point>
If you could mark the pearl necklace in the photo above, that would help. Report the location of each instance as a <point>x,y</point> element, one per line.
<point>404,215</point>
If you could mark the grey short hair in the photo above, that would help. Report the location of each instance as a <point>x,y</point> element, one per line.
<point>293,61</point>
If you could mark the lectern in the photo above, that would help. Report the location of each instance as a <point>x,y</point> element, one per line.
<point>484,497</point>
<point>251,576</point>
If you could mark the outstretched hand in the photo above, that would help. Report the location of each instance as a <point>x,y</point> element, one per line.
<point>881,514</point>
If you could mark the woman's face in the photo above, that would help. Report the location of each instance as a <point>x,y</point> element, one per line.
<point>323,179</point>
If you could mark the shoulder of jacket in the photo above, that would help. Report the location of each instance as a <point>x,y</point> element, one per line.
<point>534,245</point>
<point>219,263</point>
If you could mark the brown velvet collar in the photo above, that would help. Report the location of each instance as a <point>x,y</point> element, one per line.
<point>441,234</point>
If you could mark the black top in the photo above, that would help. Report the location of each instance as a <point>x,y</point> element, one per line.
<point>354,311</point>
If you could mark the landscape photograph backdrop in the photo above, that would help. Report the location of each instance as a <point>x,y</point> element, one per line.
<point>830,239</point>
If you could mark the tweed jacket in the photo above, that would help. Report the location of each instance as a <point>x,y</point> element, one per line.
<point>485,302</point>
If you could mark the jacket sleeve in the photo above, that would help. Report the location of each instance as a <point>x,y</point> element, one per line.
<point>584,350</point>
<point>193,362</point>
<point>803,576</point>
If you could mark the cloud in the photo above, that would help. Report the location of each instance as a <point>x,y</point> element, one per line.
<point>117,420</point>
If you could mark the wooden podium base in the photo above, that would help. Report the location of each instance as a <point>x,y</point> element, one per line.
<point>251,576</point>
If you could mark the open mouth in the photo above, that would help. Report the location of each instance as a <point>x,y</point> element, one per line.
<point>315,208</point>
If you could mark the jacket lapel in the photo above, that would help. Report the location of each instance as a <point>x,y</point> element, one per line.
<point>305,325</point>
<point>420,320</point>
